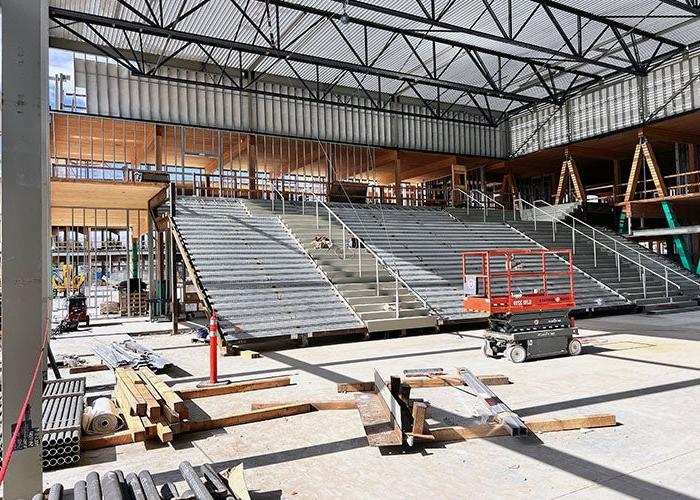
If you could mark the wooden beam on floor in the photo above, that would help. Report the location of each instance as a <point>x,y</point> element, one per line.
<point>425,382</point>
<point>87,368</point>
<point>571,423</point>
<point>105,441</point>
<point>248,417</point>
<point>342,404</point>
<point>253,385</point>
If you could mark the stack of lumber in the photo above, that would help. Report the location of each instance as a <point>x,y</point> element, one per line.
<point>109,308</point>
<point>134,304</point>
<point>151,409</point>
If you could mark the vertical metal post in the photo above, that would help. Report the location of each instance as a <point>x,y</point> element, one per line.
<point>317,214</point>
<point>573,235</point>
<point>644,282</point>
<point>359,258</point>
<point>666,279</point>
<point>376,274</point>
<point>534,215</point>
<point>639,264</point>
<point>330,230</point>
<point>344,244</point>
<point>554,230</point>
<point>396,281</point>
<point>595,253</point>
<point>617,260</point>
<point>25,231</point>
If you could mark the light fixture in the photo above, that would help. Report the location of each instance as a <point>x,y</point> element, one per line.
<point>344,18</point>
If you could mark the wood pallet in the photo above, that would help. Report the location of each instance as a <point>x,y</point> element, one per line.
<point>136,304</point>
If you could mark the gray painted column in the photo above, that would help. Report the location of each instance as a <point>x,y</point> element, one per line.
<point>25,229</point>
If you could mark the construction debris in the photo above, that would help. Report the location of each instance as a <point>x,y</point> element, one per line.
<point>205,484</point>
<point>132,354</point>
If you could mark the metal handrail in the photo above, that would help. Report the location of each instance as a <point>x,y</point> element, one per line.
<point>492,200</point>
<point>643,269</point>
<point>483,205</point>
<point>625,245</point>
<point>275,190</point>
<point>378,260</point>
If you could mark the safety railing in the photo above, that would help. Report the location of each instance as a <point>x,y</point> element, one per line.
<point>471,198</point>
<point>378,261</point>
<point>643,270</point>
<point>489,199</point>
<point>278,192</point>
<point>639,255</point>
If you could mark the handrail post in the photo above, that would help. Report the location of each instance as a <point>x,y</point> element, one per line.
<point>359,258</point>
<point>666,282</point>
<point>639,264</point>
<point>573,236</point>
<point>344,245</point>
<point>554,230</point>
<point>317,226</point>
<point>303,204</point>
<point>644,281</point>
<point>396,281</point>
<point>617,262</point>
<point>595,253</point>
<point>330,232</point>
<point>534,216</point>
<point>376,274</point>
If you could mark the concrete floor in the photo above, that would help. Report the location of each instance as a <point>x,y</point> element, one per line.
<point>644,369</point>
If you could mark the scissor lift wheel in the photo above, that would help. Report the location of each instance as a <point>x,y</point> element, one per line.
<point>574,347</point>
<point>516,353</point>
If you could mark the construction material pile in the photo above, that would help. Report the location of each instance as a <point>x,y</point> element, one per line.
<point>149,406</point>
<point>132,354</point>
<point>61,415</point>
<point>101,418</point>
<point>206,484</point>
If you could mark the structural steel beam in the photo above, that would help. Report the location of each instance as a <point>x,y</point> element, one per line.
<point>691,6</point>
<point>281,54</point>
<point>25,231</point>
<point>509,37</point>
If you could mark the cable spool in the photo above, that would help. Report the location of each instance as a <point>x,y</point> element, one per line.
<point>101,418</point>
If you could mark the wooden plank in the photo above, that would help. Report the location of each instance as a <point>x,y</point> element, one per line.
<point>247,354</point>
<point>164,431</point>
<point>634,174</point>
<point>425,382</point>
<point>654,169</point>
<point>380,427</point>
<point>127,402</point>
<point>419,418</point>
<point>149,427</point>
<point>342,404</point>
<point>252,385</point>
<point>356,387</point>
<point>133,423</point>
<point>152,406</point>
<point>571,423</point>
<point>169,415</point>
<point>87,368</point>
<point>105,441</point>
<point>253,416</point>
<point>170,397</point>
<point>457,433</point>
<point>131,393</point>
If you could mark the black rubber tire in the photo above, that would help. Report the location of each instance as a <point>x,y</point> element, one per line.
<point>574,347</point>
<point>517,353</point>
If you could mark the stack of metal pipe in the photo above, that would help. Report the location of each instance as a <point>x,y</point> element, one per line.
<point>61,417</point>
<point>132,354</point>
<point>206,484</point>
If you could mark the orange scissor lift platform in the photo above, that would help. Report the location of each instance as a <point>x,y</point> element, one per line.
<point>528,295</point>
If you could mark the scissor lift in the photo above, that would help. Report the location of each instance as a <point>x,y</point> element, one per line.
<point>528,295</point>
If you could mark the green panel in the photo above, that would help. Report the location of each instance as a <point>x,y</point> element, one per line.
<point>621,225</point>
<point>677,239</point>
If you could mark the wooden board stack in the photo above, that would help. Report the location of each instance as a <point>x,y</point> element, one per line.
<point>151,409</point>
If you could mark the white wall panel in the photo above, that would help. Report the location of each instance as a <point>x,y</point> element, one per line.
<point>113,91</point>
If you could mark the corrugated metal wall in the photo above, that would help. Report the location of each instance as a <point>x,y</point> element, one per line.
<point>112,91</point>
<point>671,89</point>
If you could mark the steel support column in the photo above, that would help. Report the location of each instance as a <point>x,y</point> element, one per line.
<point>25,231</point>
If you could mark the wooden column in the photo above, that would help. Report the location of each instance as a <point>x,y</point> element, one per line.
<point>158,141</point>
<point>397,182</point>
<point>693,178</point>
<point>616,181</point>
<point>252,166</point>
